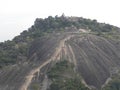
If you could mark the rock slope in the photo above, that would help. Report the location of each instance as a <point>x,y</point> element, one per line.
<point>95,59</point>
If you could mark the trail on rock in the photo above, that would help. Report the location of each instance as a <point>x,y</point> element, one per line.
<point>30,76</point>
<point>74,59</point>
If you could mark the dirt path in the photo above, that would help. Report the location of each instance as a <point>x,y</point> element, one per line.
<point>74,59</point>
<point>30,76</point>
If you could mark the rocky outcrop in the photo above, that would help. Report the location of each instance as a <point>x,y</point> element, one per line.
<point>94,58</point>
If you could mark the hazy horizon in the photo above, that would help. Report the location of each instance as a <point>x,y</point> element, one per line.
<point>16,16</point>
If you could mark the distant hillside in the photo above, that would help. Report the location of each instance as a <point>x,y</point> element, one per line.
<point>62,53</point>
<point>17,49</point>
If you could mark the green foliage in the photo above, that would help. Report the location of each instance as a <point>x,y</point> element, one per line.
<point>79,22</point>
<point>113,85</point>
<point>64,78</point>
<point>8,53</point>
<point>112,35</point>
<point>68,84</point>
<point>35,87</point>
<point>62,67</point>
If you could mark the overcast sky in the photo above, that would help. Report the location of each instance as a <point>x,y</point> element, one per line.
<point>19,15</point>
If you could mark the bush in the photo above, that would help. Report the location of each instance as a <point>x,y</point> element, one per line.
<point>62,82</point>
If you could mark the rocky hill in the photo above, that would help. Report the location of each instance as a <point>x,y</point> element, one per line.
<point>62,53</point>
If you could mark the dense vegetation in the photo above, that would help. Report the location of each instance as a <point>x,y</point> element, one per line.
<point>64,77</point>
<point>17,50</point>
<point>113,85</point>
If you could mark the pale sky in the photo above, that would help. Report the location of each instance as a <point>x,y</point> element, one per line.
<point>19,15</point>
